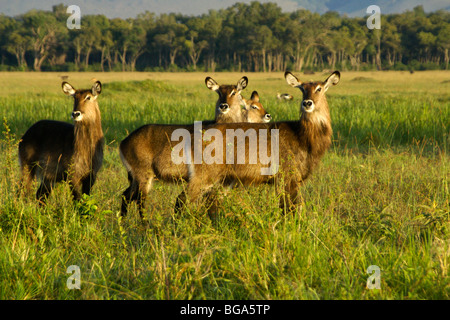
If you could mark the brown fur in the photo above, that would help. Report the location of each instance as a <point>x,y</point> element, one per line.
<point>228,106</point>
<point>146,152</point>
<point>253,111</point>
<point>301,145</point>
<point>53,151</point>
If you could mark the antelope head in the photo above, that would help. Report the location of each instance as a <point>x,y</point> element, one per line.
<point>255,110</point>
<point>85,106</point>
<point>314,104</point>
<point>229,102</point>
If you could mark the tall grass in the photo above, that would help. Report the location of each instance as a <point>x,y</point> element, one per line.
<point>379,197</point>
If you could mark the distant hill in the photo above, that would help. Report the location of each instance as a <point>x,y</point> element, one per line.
<point>130,8</point>
<point>358,7</point>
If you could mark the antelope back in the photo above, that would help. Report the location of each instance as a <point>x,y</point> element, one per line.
<point>228,106</point>
<point>254,110</point>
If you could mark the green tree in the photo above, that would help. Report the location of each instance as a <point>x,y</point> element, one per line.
<point>44,29</point>
<point>427,41</point>
<point>356,40</point>
<point>390,41</point>
<point>262,40</point>
<point>120,30</point>
<point>17,40</point>
<point>305,31</point>
<point>105,43</point>
<point>138,35</point>
<point>86,39</point>
<point>210,34</point>
<point>245,36</point>
<point>443,42</point>
<point>195,45</point>
<point>95,35</point>
<point>170,36</point>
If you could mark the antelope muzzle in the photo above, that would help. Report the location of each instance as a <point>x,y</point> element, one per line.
<point>77,116</point>
<point>224,107</point>
<point>308,105</point>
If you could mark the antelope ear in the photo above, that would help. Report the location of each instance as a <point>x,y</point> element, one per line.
<point>255,96</point>
<point>333,79</point>
<point>242,84</point>
<point>96,88</point>
<point>292,80</point>
<point>68,89</point>
<point>211,84</point>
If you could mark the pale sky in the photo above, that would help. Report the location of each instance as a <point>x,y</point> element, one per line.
<point>130,8</point>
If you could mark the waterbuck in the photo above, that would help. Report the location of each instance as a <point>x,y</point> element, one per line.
<point>254,111</point>
<point>299,144</point>
<point>228,106</point>
<point>53,151</point>
<point>146,153</point>
<point>284,96</point>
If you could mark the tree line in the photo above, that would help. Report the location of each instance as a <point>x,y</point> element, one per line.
<point>243,37</point>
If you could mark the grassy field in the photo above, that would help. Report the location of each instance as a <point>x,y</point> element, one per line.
<point>380,197</point>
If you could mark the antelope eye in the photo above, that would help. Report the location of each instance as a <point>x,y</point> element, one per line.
<point>254,107</point>
<point>88,97</point>
<point>319,89</point>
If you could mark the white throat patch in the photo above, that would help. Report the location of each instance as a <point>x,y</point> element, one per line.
<point>79,118</point>
<point>308,109</point>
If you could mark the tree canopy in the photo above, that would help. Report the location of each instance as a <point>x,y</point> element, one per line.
<point>243,37</point>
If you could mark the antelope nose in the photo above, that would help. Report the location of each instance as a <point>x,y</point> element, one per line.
<point>76,114</point>
<point>223,106</point>
<point>307,103</point>
<point>268,116</point>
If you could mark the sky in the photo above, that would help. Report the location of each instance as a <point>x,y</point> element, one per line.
<point>130,8</point>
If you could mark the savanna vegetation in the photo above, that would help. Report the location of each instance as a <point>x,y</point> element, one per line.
<point>380,197</point>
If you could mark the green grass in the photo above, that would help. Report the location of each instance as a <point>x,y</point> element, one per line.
<point>380,197</point>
